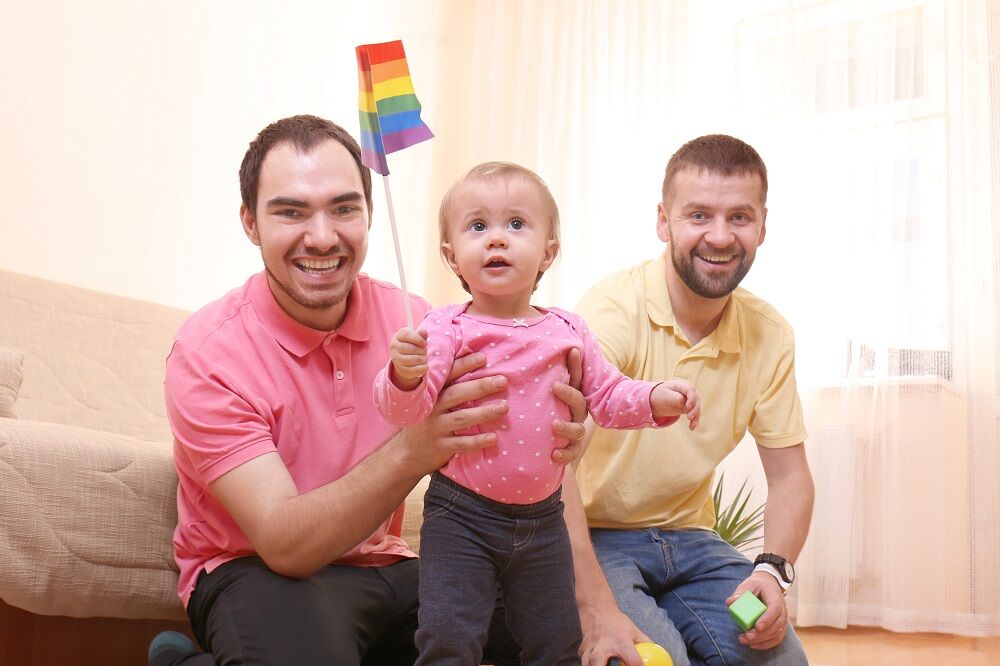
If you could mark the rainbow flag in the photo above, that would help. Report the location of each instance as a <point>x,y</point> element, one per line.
<point>388,107</point>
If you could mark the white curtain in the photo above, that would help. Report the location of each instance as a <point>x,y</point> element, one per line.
<point>879,124</point>
<point>878,117</point>
<point>576,91</point>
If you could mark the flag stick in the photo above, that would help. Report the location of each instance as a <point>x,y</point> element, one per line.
<point>399,254</point>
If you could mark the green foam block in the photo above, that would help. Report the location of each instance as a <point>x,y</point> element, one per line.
<point>746,610</point>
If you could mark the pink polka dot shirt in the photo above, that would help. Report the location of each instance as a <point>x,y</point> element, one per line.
<point>532,354</point>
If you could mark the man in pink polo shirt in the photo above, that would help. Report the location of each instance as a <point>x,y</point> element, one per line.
<point>291,483</point>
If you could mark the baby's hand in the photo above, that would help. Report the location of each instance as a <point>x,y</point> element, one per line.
<point>408,353</point>
<point>674,397</point>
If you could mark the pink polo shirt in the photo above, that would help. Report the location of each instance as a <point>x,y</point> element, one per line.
<point>244,379</point>
<point>532,354</point>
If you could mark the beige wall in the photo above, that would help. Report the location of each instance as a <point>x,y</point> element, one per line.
<point>123,125</point>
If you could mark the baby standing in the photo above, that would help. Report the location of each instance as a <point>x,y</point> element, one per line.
<point>494,516</point>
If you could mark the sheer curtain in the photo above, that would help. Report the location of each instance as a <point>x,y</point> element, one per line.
<point>877,119</point>
<point>879,123</point>
<point>577,92</point>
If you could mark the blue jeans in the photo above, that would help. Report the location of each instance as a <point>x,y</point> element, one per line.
<point>469,544</point>
<point>673,584</point>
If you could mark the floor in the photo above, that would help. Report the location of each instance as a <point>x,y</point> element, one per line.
<point>863,646</point>
<point>27,639</point>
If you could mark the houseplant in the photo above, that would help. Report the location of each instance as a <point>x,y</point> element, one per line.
<point>736,522</point>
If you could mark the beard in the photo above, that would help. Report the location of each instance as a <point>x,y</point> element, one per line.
<point>310,300</point>
<point>307,300</point>
<point>704,285</point>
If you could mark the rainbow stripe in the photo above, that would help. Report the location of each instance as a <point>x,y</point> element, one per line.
<point>388,106</point>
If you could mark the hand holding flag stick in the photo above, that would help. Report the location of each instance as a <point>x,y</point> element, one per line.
<point>390,121</point>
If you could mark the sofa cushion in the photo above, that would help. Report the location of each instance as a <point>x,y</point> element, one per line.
<point>87,522</point>
<point>10,381</point>
<point>88,519</point>
<point>413,515</point>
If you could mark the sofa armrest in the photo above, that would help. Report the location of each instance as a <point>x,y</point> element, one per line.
<point>86,522</point>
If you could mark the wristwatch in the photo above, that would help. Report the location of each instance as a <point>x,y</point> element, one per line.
<point>778,567</point>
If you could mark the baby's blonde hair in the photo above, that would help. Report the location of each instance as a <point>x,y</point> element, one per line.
<point>492,172</point>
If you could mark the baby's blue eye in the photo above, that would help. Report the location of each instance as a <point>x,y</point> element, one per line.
<point>478,225</point>
<point>516,224</point>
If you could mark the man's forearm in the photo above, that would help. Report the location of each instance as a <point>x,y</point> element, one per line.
<point>786,521</point>
<point>592,590</point>
<point>789,502</point>
<point>347,511</point>
<point>297,534</point>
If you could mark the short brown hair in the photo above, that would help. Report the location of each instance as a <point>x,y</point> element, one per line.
<point>499,171</point>
<point>716,153</point>
<point>304,133</point>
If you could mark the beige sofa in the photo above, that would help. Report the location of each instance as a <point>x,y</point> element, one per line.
<point>87,484</point>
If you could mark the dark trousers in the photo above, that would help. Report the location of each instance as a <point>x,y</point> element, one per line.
<point>469,544</point>
<point>244,613</point>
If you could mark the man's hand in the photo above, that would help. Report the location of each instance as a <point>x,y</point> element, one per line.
<point>675,397</point>
<point>771,626</point>
<point>570,393</point>
<point>431,443</point>
<point>609,633</point>
<point>408,353</point>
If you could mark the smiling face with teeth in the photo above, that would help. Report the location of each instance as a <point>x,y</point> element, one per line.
<point>713,225</point>
<point>311,225</point>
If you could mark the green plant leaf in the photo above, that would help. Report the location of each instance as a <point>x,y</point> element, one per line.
<point>737,523</point>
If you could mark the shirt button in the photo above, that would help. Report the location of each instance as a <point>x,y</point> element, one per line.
<point>328,341</point>
<point>340,374</point>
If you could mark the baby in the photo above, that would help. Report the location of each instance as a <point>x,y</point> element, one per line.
<point>494,516</point>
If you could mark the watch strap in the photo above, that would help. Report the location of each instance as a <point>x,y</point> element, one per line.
<point>773,570</point>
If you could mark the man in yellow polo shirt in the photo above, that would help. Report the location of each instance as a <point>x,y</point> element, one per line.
<point>661,572</point>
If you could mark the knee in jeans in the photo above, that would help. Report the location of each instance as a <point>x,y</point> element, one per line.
<point>789,653</point>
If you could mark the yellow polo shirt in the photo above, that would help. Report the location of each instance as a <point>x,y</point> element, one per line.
<point>744,371</point>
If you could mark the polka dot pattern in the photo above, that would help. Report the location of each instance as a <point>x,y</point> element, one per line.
<point>532,357</point>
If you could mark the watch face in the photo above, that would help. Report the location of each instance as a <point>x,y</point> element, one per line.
<point>787,571</point>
